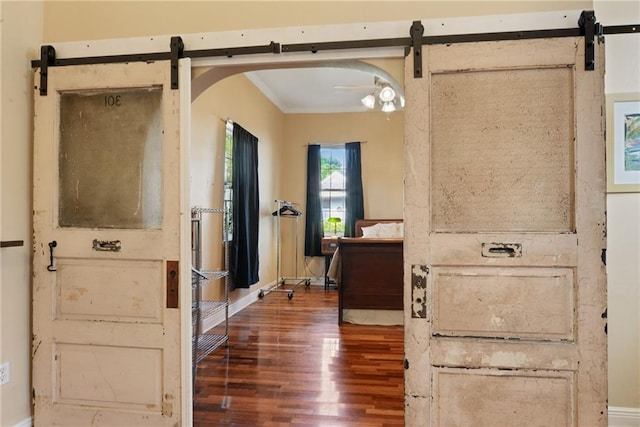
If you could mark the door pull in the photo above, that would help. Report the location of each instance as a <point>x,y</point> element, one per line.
<point>106,245</point>
<point>52,245</point>
<point>502,250</point>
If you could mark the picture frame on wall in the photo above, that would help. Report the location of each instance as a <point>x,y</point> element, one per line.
<point>623,143</point>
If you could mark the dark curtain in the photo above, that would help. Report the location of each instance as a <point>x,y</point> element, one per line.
<point>354,208</point>
<point>313,221</point>
<point>243,249</point>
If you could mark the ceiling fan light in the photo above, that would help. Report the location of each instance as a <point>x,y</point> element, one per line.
<point>401,101</point>
<point>388,107</point>
<point>369,101</point>
<point>387,94</point>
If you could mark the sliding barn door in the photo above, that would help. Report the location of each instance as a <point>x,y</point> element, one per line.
<point>111,247</point>
<point>505,287</point>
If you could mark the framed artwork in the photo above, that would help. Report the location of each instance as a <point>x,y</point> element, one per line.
<point>623,142</point>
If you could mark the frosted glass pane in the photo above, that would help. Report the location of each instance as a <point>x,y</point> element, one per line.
<point>110,159</point>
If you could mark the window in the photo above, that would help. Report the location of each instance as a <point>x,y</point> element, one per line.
<point>228,179</point>
<point>333,191</point>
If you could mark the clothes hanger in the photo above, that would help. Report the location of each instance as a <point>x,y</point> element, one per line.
<point>287,210</point>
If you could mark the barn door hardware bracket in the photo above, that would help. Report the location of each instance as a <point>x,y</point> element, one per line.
<point>47,58</point>
<point>177,52</point>
<point>417,31</point>
<point>590,28</point>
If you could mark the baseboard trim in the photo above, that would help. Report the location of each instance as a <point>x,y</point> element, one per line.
<point>624,417</point>
<point>234,308</point>
<point>27,422</point>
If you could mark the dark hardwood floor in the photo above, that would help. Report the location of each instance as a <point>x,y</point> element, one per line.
<point>289,364</point>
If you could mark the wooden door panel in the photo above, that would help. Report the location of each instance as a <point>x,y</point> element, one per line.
<point>535,304</point>
<point>79,243</point>
<point>471,249</point>
<point>108,333</point>
<point>503,354</point>
<point>112,290</point>
<point>109,377</point>
<point>508,165</point>
<point>503,398</point>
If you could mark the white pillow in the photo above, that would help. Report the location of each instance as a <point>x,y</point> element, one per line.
<point>370,232</point>
<point>388,230</point>
<point>384,230</point>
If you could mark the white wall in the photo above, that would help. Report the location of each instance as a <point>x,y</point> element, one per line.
<point>623,221</point>
<point>21,26</point>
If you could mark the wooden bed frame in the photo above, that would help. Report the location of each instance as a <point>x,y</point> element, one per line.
<point>371,271</point>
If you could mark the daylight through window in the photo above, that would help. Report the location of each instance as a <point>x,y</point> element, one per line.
<point>333,189</point>
<point>228,178</point>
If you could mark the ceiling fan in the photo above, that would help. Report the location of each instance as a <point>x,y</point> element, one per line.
<point>381,95</point>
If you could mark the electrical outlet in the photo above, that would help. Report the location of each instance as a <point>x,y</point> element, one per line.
<point>4,373</point>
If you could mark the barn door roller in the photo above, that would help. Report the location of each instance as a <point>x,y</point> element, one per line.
<point>590,28</point>
<point>417,31</point>
<point>47,59</point>
<point>177,52</point>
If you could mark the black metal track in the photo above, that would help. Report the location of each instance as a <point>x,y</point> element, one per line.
<point>621,29</point>
<point>588,28</point>
<point>501,36</point>
<point>337,45</point>
<point>233,51</point>
<point>107,59</point>
<point>351,44</point>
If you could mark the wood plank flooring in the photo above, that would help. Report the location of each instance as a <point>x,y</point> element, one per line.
<point>289,364</point>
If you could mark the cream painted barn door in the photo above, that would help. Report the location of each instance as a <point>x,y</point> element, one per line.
<point>505,288</point>
<point>109,246</point>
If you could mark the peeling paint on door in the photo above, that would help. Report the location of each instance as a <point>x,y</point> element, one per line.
<point>419,275</point>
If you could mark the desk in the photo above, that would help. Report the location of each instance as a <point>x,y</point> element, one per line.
<point>329,246</point>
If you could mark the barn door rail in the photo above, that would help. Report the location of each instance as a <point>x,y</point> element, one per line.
<point>588,28</point>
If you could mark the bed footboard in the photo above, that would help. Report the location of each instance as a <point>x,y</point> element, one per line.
<point>371,274</point>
